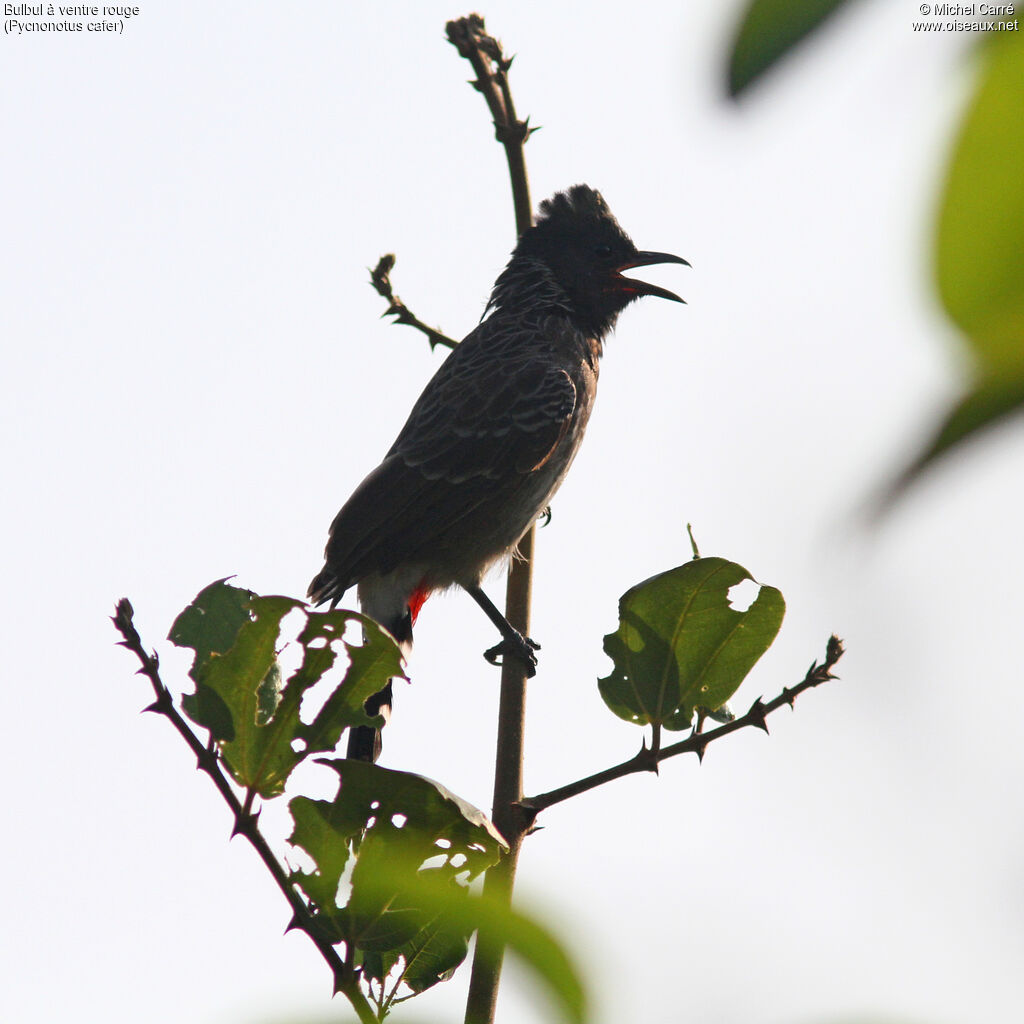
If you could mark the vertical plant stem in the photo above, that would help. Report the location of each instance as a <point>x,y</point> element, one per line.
<point>508,790</point>
<point>484,53</point>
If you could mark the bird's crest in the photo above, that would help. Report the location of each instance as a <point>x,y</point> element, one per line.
<point>577,206</point>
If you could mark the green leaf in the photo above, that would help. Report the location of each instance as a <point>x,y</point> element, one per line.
<point>992,399</point>
<point>240,679</point>
<point>240,697</point>
<point>209,626</point>
<point>440,946</point>
<point>681,645</point>
<point>398,822</point>
<point>409,911</point>
<point>500,927</point>
<point>980,239</point>
<point>979,252</point>
<point>371,665</point>
<point>767,31</point>
<point>538,948</point>
<point>264,753</point>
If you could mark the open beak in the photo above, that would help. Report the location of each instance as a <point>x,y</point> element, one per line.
<point>647,259</point>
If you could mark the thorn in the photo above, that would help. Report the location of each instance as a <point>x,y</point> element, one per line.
<point>699,750</point>
<point>648,756</point>
<point>245,823</point>
<point>789,696</point>
<point>756,714</point>
<point>294,924</point>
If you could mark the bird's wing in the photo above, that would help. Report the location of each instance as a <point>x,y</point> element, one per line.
<point>498,407</point>
<point>494,412</point>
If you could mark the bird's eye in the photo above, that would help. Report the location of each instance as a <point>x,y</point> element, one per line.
<point>603,249</point>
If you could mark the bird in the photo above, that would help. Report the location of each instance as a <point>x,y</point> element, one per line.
<point>492,436</point>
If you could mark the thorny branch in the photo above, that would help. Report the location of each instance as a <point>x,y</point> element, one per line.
<point>381,280</point>
<point>346,980</point>
<point>484,53</point>
<point>648,758</point>
<point>469,36</point>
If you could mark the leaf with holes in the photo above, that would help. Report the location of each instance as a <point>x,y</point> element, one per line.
<point>681,645</point>
<point>397,820</point>
<point>265,753</point>
<point>240,695</point>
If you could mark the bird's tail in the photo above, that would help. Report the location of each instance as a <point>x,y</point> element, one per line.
<point>364,741</point>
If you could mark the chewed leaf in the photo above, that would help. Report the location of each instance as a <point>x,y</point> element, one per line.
<point>682,645</point>
<point>210,624</point>
<point>241,696</point>
<point>398,821</point>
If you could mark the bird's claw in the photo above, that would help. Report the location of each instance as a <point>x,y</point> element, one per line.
<point>520,647</point>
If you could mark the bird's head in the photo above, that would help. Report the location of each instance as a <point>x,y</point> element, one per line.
<point>579,240</point>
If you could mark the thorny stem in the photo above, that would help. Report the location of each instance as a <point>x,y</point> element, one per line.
<point>513,815</point>
<point>346,980</point>
<point>381,280</point>
<point>468,35</point>
<point>648,759</point>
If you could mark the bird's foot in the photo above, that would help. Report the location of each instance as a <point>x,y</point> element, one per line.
<point>518,646</point>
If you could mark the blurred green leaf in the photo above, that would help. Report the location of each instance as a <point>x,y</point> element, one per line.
<point>434,954</point>
<point>979,254</point>
<point>239,692</point>
<point>980,240</point>
<point>409,831</point>
<point>389,814</point>
<point>767,31</point>
<point>503,927</point>
<point>681,645</point>
<point>992,399</point>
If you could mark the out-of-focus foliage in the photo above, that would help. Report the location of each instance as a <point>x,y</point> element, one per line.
<point>979,236</point>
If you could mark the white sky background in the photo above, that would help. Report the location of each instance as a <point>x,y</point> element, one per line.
<point>196,375</point>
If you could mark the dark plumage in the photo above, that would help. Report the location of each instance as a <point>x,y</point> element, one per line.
<point>494,432</point>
